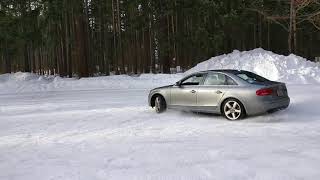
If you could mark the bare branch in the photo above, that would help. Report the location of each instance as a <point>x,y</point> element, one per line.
<point>303,4</point>
<point>309,16</point>
<point>314,24</point>
<point>271,18</point>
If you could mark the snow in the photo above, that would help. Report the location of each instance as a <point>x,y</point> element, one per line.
<point>112,134</point>
<point>291,69</point>
<point>27,82</point>
<point>101,128</point>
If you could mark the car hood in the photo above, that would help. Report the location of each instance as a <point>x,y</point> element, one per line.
<point>162,87</point>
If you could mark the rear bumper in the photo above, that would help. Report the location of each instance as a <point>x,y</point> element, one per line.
<point>266,106</point>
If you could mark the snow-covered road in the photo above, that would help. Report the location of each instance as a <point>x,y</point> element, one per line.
<point>112,134</point>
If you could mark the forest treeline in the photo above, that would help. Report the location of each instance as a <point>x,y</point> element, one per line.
<point>99,37</point>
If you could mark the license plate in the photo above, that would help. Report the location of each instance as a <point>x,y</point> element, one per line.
<point>280,93</point>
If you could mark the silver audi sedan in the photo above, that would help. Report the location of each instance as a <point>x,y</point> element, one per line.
<point>232,93</point>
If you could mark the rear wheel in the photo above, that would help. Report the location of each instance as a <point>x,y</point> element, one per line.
<point>233,109</point>
<point>160,104</point>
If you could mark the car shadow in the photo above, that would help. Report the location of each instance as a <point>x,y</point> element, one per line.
<point>298,112</point>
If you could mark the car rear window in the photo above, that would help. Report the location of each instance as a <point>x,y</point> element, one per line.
<point>251,77</point>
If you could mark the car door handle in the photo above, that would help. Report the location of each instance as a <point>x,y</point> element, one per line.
<point>193,91</point>
<point>218,92</point>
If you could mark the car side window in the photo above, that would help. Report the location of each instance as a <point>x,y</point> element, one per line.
<point>218,79</point>
<point>193,80</point>
<point>230,81</point>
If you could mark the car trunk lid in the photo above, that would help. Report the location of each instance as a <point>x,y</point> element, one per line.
<point>279,90</point>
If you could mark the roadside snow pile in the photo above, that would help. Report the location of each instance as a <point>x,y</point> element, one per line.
<point>291,69</point>
<point>28,82</point>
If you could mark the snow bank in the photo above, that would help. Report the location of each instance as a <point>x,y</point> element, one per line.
<point>28,82</point>
<point>291,69</point>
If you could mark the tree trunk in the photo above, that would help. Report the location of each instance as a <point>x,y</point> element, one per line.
<point>268,35</point>
<point>7,60</point>
<point>120,57</point>
<point>294,24</point>
<point>174,42</point>
<point>114,29</point>
<point>26,58</point>
<point>137,52</point>
<point>152,60</point>
<point>81,47</point>
<point>67,44</point>
<point>291,26</point>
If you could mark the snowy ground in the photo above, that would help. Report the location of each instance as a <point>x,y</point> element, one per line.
<point>112,134</point>
<point>102,129</point>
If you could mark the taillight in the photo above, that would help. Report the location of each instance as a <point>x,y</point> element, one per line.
<point>264,92</point>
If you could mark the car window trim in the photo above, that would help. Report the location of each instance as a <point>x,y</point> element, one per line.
<point>245,72</point>
<point>232,80</point>
<point>195,74</point>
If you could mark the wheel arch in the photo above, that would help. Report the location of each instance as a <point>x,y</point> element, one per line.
<point>153,97</point>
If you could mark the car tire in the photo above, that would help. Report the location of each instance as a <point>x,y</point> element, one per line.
<point>160,104</point>
<point>233,110</point>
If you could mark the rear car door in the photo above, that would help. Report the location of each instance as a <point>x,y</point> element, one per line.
<point>213,89</point>
<point>185,95</point>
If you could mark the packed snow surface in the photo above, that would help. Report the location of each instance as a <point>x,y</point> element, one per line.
<point>291,69</point>
<point>27,82</point>
<point>102,129</point>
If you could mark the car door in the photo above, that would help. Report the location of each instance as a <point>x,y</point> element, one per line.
<point>184,95</point>
<point>213,89</point>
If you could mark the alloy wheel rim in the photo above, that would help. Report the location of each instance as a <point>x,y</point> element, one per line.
<point>158,104</point>
<point>232,110</point>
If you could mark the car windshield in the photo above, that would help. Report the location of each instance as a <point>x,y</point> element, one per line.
<point>251,77</point>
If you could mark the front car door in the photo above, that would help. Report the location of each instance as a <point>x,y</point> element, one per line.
<point>213,89</point>
<point>185,95</point>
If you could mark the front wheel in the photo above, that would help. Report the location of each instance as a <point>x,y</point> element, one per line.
<point>233,110</point>
<point>160,104</point>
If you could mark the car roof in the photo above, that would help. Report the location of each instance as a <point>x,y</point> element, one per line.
<point>231,71</point>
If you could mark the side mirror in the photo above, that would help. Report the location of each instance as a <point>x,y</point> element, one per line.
<point>178,84</point>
